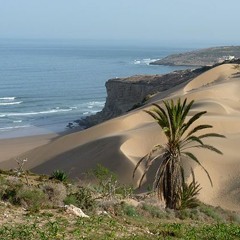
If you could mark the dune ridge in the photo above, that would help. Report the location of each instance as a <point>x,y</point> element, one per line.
<point>119,143</point>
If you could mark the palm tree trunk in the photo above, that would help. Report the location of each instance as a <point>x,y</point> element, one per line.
<point>172,184</point>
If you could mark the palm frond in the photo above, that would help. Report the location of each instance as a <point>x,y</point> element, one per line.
<point>211,135</point>
<point>194,158</point>
<point>209,147</point>
<point>189,140</point>
<point>189,192</point>
<point>185,110</point>
<point>191,121</point>
<point>148,159</point>
<point>198,128</point>
<point>170,113</point>
<point>160,175</point>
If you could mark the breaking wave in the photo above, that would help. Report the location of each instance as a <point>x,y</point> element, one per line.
<point>8,98</point>
<point>9,103</point>
<point>35,113</point>
<point>14,127</point>
<point>145,61</point>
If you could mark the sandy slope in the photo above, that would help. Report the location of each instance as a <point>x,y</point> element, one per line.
<point>119,143</point>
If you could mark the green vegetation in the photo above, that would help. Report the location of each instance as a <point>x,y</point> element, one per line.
<point>106,184</point>
<point>36,212</point>
<point>169,178</point>
<point>189,192</point>
<point>31,198</point>
<point>60,175</point>
<point>82,198</point>
<point>102,227</point>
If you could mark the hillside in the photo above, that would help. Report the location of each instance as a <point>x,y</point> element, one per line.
<point>202,57</point>
<point>37,211</point>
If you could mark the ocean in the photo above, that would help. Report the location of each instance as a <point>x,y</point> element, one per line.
<point>44,85</point>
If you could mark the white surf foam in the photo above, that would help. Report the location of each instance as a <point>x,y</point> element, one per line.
<point>14,127</point>
<point>17,121</point>
<point>9,103</point>
<point>145,61</point>
<point>35,113</point>
<point>8,98</point>
<point>96,103</point>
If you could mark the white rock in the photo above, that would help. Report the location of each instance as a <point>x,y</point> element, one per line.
<point>102,212</point>
<point>75,210</point>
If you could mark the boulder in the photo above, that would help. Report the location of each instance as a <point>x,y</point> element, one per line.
<point>71,209</point>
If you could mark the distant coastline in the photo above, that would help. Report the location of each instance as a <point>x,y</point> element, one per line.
<point>201,57</point>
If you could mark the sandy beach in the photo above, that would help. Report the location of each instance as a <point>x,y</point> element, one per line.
<point>119,143</point>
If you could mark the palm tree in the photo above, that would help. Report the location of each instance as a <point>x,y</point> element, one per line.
<point>180,138</point>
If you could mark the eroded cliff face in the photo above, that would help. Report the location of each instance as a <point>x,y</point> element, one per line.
<point>123,94</point>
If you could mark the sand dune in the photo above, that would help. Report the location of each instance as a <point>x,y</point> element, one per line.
<point>119,143</point>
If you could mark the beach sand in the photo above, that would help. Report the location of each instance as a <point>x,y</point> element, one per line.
<point>12,148</point>
<point>119,143</point>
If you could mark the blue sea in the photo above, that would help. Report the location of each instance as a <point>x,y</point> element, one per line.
<point>44,85</point>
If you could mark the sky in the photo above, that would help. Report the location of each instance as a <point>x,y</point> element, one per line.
<point>164,22</point>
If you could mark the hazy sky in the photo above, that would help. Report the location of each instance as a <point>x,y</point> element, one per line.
<point>161,21</point>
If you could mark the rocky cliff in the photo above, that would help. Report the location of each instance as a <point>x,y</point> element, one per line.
<point>124,94</point>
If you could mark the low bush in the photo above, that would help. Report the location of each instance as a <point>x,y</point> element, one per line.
<point>154,211</point>
<point>59,175</point>
<point>82,198</point>
<point>56,193</point>
<point>125,191</point>
<point>31,198</point>
<point>9,189</point>
<point>211,212</point>
<point>129,210</point>
<point>189,193</point>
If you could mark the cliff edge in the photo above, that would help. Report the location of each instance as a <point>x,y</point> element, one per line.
<point>125,94</point>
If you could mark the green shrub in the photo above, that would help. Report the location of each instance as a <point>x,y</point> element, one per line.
<point>211,212</point>
<point>193,214</point>
<point>106,181</point>
<point>154,211</point>
<point>71,199</point>
<point>125,191</point>
<point>3,187</point>
<point>31,198</point>
<point>129,210</point>
<point>59,175</point>
<point>189,192</point>
<point>82,199</point>
<point>9,189</point>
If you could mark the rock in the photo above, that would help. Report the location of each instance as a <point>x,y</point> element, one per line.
<point>125,93</point>
<point>102,212</point>
<point>71,209</point>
